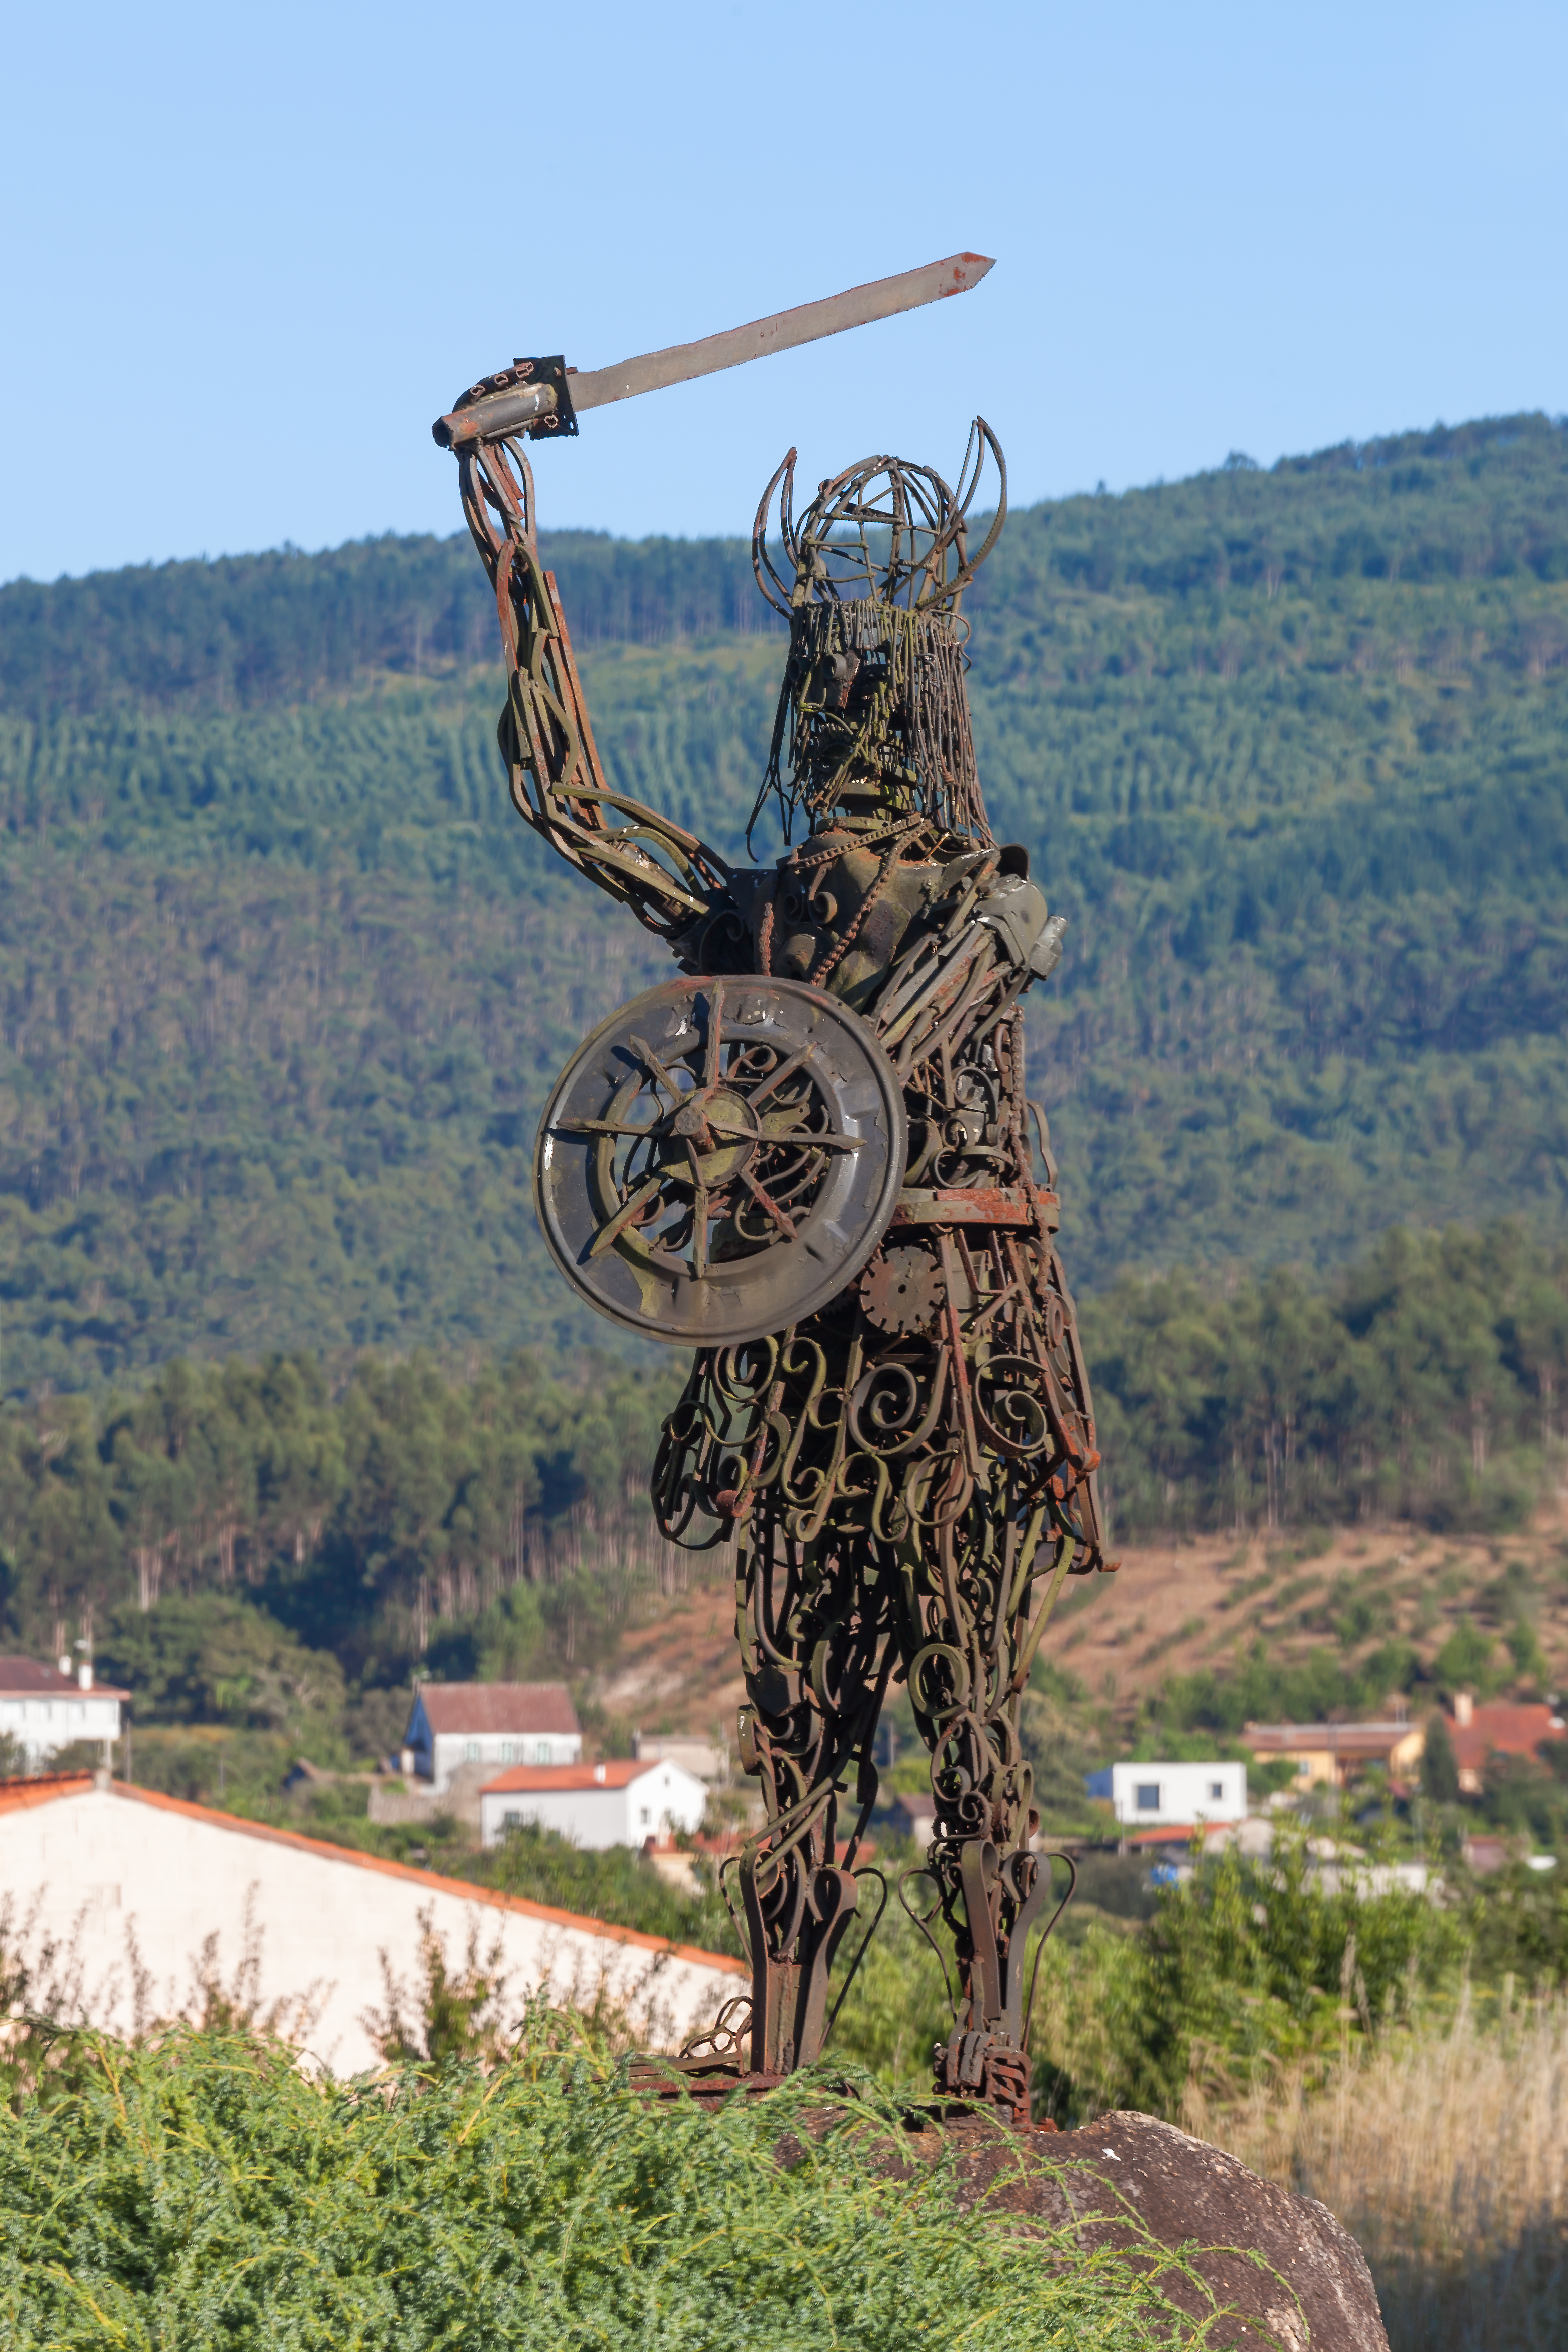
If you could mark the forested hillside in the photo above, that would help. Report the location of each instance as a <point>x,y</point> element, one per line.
<point>282,981</point>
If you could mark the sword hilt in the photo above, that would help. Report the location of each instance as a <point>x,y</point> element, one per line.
<point>531,396</point>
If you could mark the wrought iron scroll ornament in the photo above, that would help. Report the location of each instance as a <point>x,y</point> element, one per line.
<point>811,1157</point>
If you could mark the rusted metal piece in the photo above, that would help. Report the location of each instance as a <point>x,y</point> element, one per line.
<point>523,399</point>
<point>991,1204</point>
<point>899,1440</point>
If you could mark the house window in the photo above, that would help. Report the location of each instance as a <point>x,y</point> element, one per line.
<point>647,1817</point>
<point>541,1751</point>
<point>1148,1796</point>
<point>470,1751</point>
<point>511,1821</point>
<point>509,1752</point>
<point>1303,1770</point>
<point>1216,1789</point>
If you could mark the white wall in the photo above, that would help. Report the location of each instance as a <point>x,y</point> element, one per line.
<point>43,1725</point>
<point>1184,1793</point>
<point>456,1747</point>
<point>665,1797</point>
<point>94,1869</point>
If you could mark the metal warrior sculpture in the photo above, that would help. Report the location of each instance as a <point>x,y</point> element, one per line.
<point>810,1156</point>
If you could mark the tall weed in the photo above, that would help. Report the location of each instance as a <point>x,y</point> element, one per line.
<point>1444,2151</point>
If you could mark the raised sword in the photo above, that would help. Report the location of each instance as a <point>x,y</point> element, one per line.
<point>541,397</point>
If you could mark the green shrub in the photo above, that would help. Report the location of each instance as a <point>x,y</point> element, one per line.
<point>1246,1966</point>
<point>202,2192</point>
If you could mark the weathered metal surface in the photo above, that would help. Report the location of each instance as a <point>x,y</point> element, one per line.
<point>905,1458</point>
<point>496,408</point>
<point>976,1204</point>
<point>718,1157</point>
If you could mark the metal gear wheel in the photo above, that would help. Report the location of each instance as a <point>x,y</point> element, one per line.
<point>720,1159</point>
<point>902,1290</point>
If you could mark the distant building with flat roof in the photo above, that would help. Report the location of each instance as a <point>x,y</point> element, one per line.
<point>1159,1796</point>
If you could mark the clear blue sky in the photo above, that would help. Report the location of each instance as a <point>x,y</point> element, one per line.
<point>247,255</point>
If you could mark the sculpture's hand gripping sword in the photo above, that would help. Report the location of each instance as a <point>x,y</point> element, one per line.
<point>543,397</point>
<point>664,875</point>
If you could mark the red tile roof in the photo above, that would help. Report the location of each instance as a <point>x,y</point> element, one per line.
<point>505,1707</point>
<point>1502,1731</point>
<point>26,1678</point>
<point>46,1789</point>
<point>42,1789</point>
<point>617,1775</point>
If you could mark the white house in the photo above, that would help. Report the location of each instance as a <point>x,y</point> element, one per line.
<point>45,1708</point>
<point>488,1724</point>
<point>147,1899</point>
<point>1158,1796</point>
<point>594,1805</point>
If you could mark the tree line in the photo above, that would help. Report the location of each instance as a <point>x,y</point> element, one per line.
<point>1428,1381</point>
<point>400,1512</point>
<point>372,1516</point>
<point>257,632</point>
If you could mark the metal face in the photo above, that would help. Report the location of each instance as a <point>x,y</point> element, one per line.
<point>719,1159</point>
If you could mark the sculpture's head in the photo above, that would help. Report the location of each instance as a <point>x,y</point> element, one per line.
<point>872,701</point>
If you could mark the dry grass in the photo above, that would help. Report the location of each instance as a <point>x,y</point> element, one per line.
<point>1447,2155</point>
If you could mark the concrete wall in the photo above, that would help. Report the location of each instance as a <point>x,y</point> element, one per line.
<point>144,1895</point>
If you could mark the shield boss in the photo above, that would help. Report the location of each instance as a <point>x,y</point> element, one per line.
<point>720,1157</point>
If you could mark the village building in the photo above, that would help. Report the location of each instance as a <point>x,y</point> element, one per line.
<point>149,1904</point>
<point>1331,1755</point>
<point>1159,1796</point>
<point>46,1709</point>
<point>913,1815</point>
<point>624,1803</point>
<point>486,1726</point>
<point>704,1757</point>
<point>1481,1733</point>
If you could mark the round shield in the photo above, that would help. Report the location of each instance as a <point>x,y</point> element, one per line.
<point>720,1157</point>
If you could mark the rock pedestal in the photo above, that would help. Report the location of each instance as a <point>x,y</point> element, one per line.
<point>1267,2269</point>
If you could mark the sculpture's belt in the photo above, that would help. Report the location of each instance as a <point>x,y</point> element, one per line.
<point>989,1204</point>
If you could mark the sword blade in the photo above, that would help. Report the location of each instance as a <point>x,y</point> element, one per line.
<point>884,297</point>
<point>518,407</point>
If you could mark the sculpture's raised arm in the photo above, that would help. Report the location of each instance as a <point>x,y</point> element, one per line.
<point>667,877</point>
